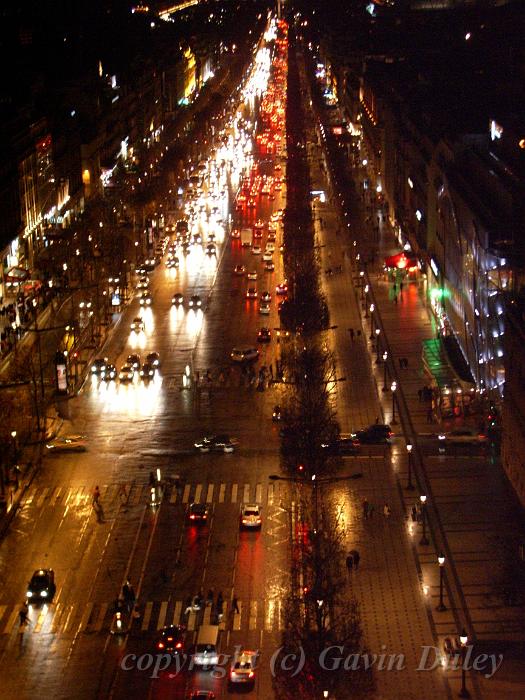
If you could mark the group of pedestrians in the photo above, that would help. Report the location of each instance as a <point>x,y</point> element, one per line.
<point>198,602</point>
<point>369,509</point>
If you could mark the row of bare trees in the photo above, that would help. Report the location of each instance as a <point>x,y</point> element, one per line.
<point>323,618</point>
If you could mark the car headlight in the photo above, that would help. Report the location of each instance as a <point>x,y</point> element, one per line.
<point>29,594</point>
<point>43,594</point>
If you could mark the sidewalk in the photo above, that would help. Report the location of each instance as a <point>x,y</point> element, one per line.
<point>476,536</point>
<point>29,462</point>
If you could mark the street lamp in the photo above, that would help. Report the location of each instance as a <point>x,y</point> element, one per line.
<point>463,640</point>
<point>361,282</point>
<point>378,333</point>
<point>410,485</point>
<point>372,309</point>
<point>393,388</point>
<point>424,538</point>
<point>441,561</point>
<point>366,303</point>
<point>385,357</point>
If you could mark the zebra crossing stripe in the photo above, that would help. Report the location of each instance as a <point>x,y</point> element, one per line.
<point>222,493</point>
<point>84,621</point>
<point>147,616</point>
<point>10,622</point>
<point>198,492</point>
<point>177,612</point>
<point>56,495</point>
<point>30,496</point>
<point>207,615</point>
<point>186,494</point>
<point>269,614</point>
<point>40,621</point>
<point>234,492</point>
<point>271,492</point>
<point>100,617</point>
<point>135,496</point>
<point>209,494</point>
<point>192,619</point>
<point>236,626</point>
<point>258,493</point>
<point>55,621</point>
<point>69,617</point>
<point>252,620</point>
<point>42,498</point>
<point>173,495</point>
<point>161,621</point>
<point>246,495</point>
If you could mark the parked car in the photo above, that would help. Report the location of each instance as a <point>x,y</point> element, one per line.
<point>377,434</point>
<point>244,354</point>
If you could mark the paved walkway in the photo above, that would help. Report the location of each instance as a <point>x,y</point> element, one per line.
<point>478,537</point>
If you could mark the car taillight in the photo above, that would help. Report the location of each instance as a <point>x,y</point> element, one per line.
<point>192,517</point>
<point>178,645</point>
<point>251,674</point>
<point>160,645</point>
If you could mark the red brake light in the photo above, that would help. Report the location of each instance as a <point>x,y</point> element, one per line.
<point>192,517</point>
<point>178,645</point>
<point>160,645</point>
<point>250,675</point>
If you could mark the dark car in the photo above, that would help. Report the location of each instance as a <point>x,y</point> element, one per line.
<point>153,359</point>
<point>147,372</point>
<point>216,443</point>
<point>133,360</point>
<point>202,695</point>
<point>195,302</point>
<point>177,299</point>
<point>377,434</point>
<point>264,335</point>
<point>109,373</point>
<point>197,514</point>
<point>99,365</point>
<point>344,445</point>
<point>41,587</point>
<point>171,640</point>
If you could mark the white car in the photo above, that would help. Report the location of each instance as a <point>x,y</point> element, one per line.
<point>264,308</point>
<point>267,256</point>
<point>244,354</point>
<point>251,515</point>
<point>137,325</point>
<point>256,250</point>
<point>68,443</point>
<point>243,667</point>
<point>252,275</point>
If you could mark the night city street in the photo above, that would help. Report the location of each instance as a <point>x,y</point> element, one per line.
<point>259,302</point>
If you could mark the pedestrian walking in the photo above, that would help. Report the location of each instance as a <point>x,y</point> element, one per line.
<point>366,508</point>
<point>356,557</point>
<point>395,298</point>
<point>430,416</point>
<point>235,605</point>
<point>413,514</point>
<point>209,598</point>
<point>401,287</point>
<point>23,613</point>
<point>349,563</point>
<point>352,334</point>
<point>96,496</point>
<point>386,510</point>
<point>123,493</point>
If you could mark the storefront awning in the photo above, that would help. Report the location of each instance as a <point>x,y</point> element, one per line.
<point>443,359</point>
<point>402,261</point>
<point>16,275</point>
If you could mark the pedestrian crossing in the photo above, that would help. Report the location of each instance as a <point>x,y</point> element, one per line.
<point>91,617</point>
<point>139,494</point>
